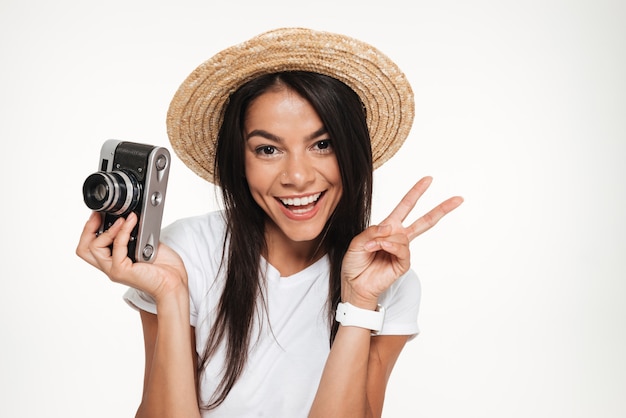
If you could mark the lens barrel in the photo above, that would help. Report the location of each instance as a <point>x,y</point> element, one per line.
<point>115,192</point>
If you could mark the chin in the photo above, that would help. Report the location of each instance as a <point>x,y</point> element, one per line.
<point>304,236</point>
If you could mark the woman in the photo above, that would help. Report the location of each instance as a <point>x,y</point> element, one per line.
<point>297,306</point>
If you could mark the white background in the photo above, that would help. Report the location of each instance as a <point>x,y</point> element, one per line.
<point>520,108</point>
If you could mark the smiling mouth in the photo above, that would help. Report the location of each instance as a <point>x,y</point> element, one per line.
<point>299,205</point>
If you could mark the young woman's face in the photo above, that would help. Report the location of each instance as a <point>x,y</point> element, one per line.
<point>291,166</point>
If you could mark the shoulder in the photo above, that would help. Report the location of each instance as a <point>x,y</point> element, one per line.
<point>210,224</point>
<point>199,241</point>
<point>197,233</point>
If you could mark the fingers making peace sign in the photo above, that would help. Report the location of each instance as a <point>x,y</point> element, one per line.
<point>379,255</point>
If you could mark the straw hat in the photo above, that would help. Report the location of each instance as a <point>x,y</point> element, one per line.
<point>197,109</point>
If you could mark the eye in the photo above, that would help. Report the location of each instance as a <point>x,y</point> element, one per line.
<point>323,146</point>
<point>266,150</point>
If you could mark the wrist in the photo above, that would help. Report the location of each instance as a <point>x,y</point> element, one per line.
<point>174,294</point>
<point>350,315</point>
<point>360,302</point>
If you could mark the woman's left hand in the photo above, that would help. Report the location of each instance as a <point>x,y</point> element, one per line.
<point>378,256</point>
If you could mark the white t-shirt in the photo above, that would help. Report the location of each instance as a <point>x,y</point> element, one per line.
<point>286,360</point>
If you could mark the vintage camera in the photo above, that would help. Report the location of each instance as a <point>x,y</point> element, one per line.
<point>132,178</point>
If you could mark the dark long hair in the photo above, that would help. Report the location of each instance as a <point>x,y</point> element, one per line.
<point>343,116</point>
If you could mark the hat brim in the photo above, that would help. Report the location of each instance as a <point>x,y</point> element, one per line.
<point>197,109</point>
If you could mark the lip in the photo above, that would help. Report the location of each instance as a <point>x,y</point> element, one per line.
<point>301,213</point>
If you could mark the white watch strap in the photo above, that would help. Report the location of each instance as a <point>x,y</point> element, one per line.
<point>350,316</point>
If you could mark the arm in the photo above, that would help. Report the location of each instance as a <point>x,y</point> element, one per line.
<point>170,377</point>
<point>356,374</point>
<point>358,367</point>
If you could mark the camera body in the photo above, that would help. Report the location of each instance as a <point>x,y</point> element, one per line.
<point>132,178</point>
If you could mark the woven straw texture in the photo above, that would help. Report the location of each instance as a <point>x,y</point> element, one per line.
<point>197,109</point>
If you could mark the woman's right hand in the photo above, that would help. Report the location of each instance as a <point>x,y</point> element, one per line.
<point>165,275</point>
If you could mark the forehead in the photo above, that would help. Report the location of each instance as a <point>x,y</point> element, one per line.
<point>280,109</point>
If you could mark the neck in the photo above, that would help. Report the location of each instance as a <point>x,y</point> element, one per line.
<point>287,256</point>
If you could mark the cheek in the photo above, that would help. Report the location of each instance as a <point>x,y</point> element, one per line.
<point>248,167</point>
<point>252,178</point>
<point>257,190</point>
<point>333,174</point>
<point>253,171</point>
<point>255,181</point>
<point>259,177</point>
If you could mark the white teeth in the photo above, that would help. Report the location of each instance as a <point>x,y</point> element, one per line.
<point>301,201</point>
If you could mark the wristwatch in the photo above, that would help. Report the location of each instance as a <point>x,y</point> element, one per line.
<point>350,316</point>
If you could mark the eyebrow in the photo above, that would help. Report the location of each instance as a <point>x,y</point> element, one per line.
<point>269,136</point>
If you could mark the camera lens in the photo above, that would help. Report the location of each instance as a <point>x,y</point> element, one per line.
<point>116,192</point>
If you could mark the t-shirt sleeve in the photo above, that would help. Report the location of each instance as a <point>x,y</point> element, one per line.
<point>401,302</point>
<point>140,300</point>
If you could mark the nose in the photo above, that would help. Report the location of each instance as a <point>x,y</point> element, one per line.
<point>298,172</point>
